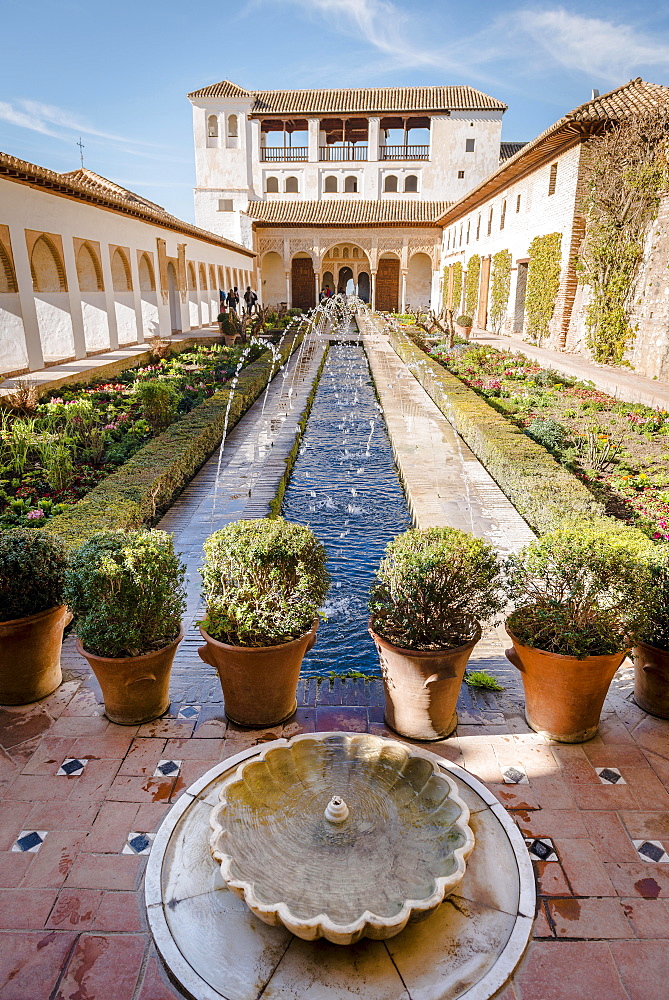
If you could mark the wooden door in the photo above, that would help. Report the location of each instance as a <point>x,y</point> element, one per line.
<point>304,283</point>
<point>388,286</point>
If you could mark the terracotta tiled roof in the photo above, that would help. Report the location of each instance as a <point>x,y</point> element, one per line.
<point>358,101</point>
<point>636,97</point>
<point>346,213</point>
<point>85,185</point>
<point>507,149</point>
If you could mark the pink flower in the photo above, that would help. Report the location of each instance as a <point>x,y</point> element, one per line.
<point>33,514</point>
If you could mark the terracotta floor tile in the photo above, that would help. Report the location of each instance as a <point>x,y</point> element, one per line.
<point>143,755</point>
<point>169,728</point>
<point>589,918</point>
<point>105,871</point>
<point>212,729</point>
<point>68,815</point>
<point>646,825</point>
<point>84,704</point>
<point>574,764</point>
<point>30,963</point>
<point>626,755</point>
<point>551,879</point>
<point>201,749</point>
<point>659,765</point>
<point>520,797</point>
<point>609,797</point>
<point>609,837</point>
<point>24,723</point>
<point>25,909</point>
<point>13,816</point>
<point>156,987</point>
<point>38,787</point>
<point>120,911</point>
<point>49,755</point>
<point>191,770</point>
<point>538,761</point>
<point>586,873</point>
<point>111,827</point>
<point>104,968</point>
<point>145,789</point>
<point>649,917</point>
<point>54,859</point>
<point>74,726</point>
<point>553,793</point>
<point>75,909</point>
<point>652,734</point>
<point>149,816</point>
<point>551,823</point>
<point>304,721</point>
<point>643,879</point>
<point>612,730</point>
<point>341,718</point>
<point>643,968</point>
<point>106,747</point>
<point>569,970</point>
<point>13,867</point>
<point>647,788</point>
<point>542,929</point>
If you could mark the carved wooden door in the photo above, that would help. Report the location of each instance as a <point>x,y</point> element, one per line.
<point>304,283</point>
<point>388,285</point>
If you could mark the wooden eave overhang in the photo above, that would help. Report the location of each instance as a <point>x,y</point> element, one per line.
<point>34,176</point>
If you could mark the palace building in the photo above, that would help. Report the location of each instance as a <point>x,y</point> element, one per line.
<point>341,187</point>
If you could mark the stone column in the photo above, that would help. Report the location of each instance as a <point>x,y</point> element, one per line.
<point>24,281</point>
<point>74,296</point>
<point>110,298</point>
<point>373,291</point>
<point>403,303</point>
<point>318,284</point>
<point>373,139</point>
<point>288,290</point>
<point>313,124</point>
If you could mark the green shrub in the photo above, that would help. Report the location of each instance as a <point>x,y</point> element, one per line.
<point>464,321</point>
<point>32,572</point>
<point>432,586</point>
<point>548,432</point>
<point>482,680</point>
<point>581,591</point>
<point>263,582</point>
<point>656,632</point>
<point>126,592</point>
<point>158,400</point>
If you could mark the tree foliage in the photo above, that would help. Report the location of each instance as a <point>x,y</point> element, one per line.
<point>500,285</point>
<point>472,285</point>
<point>543,282</point>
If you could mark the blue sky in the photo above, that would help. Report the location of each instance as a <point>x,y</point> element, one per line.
<point>117,74</point>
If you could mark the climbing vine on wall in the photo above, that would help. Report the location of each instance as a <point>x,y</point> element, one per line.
<point>543,282</point>
<point>627,172</point>
<point>472,285</point>
<point>500,284</point>
<point>457,286</point>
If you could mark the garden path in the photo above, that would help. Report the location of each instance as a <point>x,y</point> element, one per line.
<point>618,382</point>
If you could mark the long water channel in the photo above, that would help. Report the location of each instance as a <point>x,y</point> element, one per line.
<point>346,488</point>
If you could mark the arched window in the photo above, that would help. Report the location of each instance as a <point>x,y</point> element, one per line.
<point>147,281</point>
<point>89,271</point>
<point>233,127</point>
<point>351,185</point>
<point>212,127</point>
<point>47,268</point>
<point>212,276</point>
<point>331,185</point>
<point>390,183</point>
<point>411,183</point>
<point>192,283</point>
<point>121,279</point>
<point>355,252</point>
<point>335,252</point>
<point>203,276</point>
<point>292,185</point>
<point>344,253</point>
<point>272,186</point>
<point>7,276</point>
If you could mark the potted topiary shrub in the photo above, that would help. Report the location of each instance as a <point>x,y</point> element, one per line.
<point>582,596</point>
<point>126,591</point>
<point>464,326</point>
<point>433,588</point>
<point>651,653</point>
<point>32,614</point>
<point>263,582</point>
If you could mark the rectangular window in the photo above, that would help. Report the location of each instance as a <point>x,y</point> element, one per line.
<point>518,204</point>
<point>460,234</point>
<point>461,175</point>
<point>552,182</point>
<point>478,226</point>
<point>502,218</point>
<point>489,222</point>
<point>225,205</point>
<point>468,225</point>
<point>469,145</point>
<point>448,240</point>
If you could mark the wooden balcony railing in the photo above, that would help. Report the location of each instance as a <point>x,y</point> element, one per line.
<point>404,152</point>
<point>342,153</point>
<point>284,154</point>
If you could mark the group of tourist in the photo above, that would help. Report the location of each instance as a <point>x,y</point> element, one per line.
<point>325,293</point>
<point>231,300</point>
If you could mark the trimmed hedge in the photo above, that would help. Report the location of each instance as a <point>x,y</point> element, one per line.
<point>148,482</point>
<point>546,494</point>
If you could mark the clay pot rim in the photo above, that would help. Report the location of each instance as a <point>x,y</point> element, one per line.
<point>649,645</point>
<point>426,653</point>
<point>566,656</point>
<point>255,649</point>
<point>127,659</point>
<point>29,619</point>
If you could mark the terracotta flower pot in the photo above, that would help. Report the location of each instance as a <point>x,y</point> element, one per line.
<point>422,687</point>
<point>563,695</point>
<point>463,331</point>
<point>651,679</point>
<point>259,682</point>
<point>30,655</point>
<point>135,689</point>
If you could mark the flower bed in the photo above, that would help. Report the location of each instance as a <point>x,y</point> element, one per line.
<point>618,450</point>
<point>79,435</point>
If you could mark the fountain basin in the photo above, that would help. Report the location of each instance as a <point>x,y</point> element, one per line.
<point>341,836</point>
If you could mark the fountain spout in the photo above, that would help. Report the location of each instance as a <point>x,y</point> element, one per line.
<point>337,810</point>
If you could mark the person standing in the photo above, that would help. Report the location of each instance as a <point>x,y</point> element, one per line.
<point>250,298</point>
<point>232,300</point>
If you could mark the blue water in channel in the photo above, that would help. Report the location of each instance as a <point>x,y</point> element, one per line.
<point>346,488</point>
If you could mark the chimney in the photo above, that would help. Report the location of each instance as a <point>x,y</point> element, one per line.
<point>595,93</point>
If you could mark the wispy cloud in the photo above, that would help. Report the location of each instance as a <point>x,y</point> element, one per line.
<point>59,123</point>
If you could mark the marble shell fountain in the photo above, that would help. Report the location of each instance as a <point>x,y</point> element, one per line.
<point>341,836</point>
